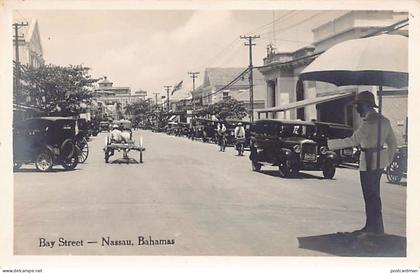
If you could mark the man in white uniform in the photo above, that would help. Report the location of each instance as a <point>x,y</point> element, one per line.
<point>370,175</point>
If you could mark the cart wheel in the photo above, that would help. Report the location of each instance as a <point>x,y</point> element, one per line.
<point>84,150</point>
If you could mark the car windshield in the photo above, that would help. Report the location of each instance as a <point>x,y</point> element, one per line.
<point>295,130</point>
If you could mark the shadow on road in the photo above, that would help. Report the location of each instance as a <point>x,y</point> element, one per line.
<point>34,170</point>
<point>299,176</point>
<point>348,244</point>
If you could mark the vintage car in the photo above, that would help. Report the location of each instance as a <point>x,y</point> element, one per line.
<point>171,128</point>
<point>183,129</point>
<point>205,129</point>
<point>46,141</point>
<point>397,169</point>
<point>287,144</point>
<point>326,130</point>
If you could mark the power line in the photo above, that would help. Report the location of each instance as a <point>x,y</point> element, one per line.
<point>237,78</point>
<point>273,21</point>
<point>294,24</point>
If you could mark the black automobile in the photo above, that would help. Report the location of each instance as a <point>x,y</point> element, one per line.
<point>205,129</point>
<point>288,145</point>
<point>326,130</point>
<point>397,169</point>
<point>46,141</point>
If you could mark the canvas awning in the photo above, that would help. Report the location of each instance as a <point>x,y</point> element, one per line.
<point>303,103</point>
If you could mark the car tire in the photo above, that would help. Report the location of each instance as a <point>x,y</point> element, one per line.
<point>256,167</point>
<point>70,164</point>
<point>44,161</point>
<point>328,169</point>
<point>285,170</point>
<point>17,165</point>
<point>393,173</point>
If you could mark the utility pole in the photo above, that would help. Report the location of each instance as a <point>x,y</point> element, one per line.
<point>16,26</point>
<point>193,75</point>
<point>250,68</point>
<point>156,94</point>
<point>167,87</point>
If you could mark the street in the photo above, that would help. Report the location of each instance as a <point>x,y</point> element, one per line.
<point>205,201</point>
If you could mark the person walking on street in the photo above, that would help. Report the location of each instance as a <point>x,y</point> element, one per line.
<point>367,137</point>
<point>221,132</point>
<point>239,138</point>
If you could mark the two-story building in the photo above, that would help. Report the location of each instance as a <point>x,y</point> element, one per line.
<point>116,98</point>
<point>289,98</point>
<point>216,78</point>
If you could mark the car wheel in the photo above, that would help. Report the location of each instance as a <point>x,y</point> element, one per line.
<point>285,169</point>
<point>17,165</point>
<point>44,161</point>
<point>329,169</point>
<point>70,164</point>
<point>393,173</point>
<point>256,167</point>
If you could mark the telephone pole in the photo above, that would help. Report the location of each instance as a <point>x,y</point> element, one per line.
<point>251,77</point>
<point>193,75</point>
<point>167,87</point>
<point>16,37</point>
<point>156,94</point>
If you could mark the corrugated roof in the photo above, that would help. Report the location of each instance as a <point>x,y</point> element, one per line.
<point>220,76</point>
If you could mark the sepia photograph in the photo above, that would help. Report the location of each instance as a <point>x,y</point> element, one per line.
<point>267,132</point>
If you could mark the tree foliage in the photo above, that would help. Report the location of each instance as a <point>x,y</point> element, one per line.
<point>53,87</point>
<point>227,109</point>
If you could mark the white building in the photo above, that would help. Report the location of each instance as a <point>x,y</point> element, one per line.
<point>288,98</point>
<point>30,46</point>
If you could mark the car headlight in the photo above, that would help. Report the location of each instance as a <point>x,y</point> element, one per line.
<point>323,150</point>
<point>296,148</point>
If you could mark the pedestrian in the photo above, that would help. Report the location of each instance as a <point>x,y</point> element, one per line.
<point>370,175</point>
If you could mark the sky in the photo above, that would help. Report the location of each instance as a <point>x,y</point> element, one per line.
<point>149,49</point>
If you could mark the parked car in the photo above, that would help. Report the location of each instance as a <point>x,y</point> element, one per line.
<point>397,169</point>
<point>205,129</point>
<point>45,141</point>
<point>288,145</point>
<point>327,130</point>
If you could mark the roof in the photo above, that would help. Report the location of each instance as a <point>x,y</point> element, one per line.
<point>303,103</point>
<point>221,76</point>
<point>286,122</point>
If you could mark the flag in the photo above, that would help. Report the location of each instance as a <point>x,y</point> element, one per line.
<point>177,87</point>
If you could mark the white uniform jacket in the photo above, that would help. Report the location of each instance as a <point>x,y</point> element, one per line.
<point>366,137</point>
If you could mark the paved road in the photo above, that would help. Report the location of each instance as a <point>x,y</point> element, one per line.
<point>208,202</point>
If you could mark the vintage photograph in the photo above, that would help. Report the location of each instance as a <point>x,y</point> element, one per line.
<point>199,132</point>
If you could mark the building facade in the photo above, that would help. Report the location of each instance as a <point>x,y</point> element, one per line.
<point>217,78</point>
<point>289,98</point>
<point>30,46</point>
<point>116,98</point>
